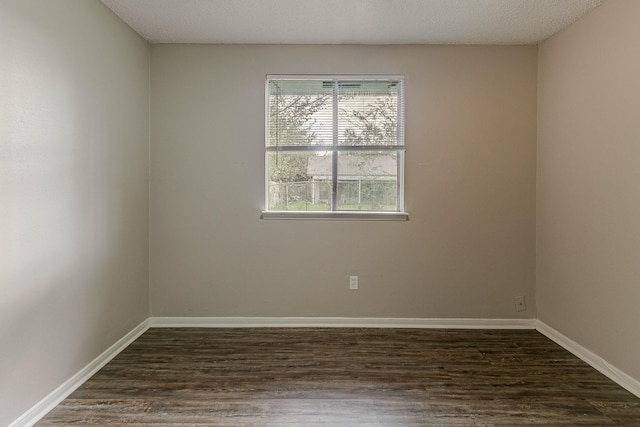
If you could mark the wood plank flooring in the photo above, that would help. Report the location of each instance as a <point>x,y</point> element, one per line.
<point>346,377</point>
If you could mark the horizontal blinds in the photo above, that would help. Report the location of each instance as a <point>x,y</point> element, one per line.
<point>301,112</point>
<point>368,112</point>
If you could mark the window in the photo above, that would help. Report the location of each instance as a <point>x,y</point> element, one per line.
<point>334,147</point>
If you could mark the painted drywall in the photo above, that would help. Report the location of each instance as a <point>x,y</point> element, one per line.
<point>588,274</point>
<point>467,250</point>
<point>73,191</point>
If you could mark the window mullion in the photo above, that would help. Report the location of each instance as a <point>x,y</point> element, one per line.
<point>334,153</point>
<point>341,147</point>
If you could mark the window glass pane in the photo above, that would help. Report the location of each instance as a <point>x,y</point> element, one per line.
<point>299,181</point>
<point>368,113</point>
<point>310,121</point>
<point>300,112</point>
<point>367,180</point>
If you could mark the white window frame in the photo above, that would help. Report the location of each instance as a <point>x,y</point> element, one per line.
<point>399,215</point>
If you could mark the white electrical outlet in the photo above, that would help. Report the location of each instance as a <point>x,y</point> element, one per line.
<point>353,283</point>
<point>520,304</point>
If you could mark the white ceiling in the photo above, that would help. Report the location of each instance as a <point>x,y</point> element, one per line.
<point>350,21</point>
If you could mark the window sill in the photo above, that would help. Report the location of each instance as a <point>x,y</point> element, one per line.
<point>342,215</point>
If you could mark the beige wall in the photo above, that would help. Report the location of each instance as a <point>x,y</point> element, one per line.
<point>73,191</point>
<point>73,188</point>
<point>74,210</point>
<point>588,273</point>
<point>467,251</point>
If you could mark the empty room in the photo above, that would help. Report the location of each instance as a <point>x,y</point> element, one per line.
<point>320,212</point>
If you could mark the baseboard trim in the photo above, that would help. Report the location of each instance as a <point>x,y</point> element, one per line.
<point>338,322</point>
<point>616,375</point>
<point>41,408</point>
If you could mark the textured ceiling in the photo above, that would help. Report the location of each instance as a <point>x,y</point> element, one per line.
<point>350,21</point>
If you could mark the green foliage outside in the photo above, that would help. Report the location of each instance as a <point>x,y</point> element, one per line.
<point>291,122</point>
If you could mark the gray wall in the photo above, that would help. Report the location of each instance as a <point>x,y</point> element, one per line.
<point>588,274</point>
<point>467,251</point>
<point>73,191</point>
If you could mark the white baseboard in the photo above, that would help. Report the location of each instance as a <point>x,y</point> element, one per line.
<point>597,362</point>
<point>41,408</point>
<point>337,322</point>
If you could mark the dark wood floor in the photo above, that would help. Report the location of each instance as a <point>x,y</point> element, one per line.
<point>346,377</point>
